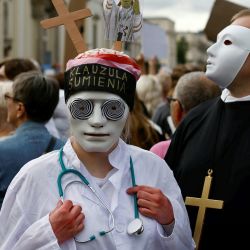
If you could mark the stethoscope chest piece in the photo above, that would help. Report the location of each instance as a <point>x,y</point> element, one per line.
<point>135,227</point>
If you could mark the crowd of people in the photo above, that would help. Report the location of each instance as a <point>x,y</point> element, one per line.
<point>109,166</point>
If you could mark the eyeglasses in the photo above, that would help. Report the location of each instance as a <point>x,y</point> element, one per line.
<point>171,99</point>
<point>7,96</point>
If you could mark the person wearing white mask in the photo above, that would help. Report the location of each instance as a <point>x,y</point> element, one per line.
<point>96,192</point>
<point>215,136</point>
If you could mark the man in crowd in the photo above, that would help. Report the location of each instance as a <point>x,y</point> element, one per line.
<point>215,136</point>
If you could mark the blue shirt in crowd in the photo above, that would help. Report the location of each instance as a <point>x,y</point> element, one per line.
<point>29,141</point>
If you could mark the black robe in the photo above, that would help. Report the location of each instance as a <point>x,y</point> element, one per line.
<point>216,135</point>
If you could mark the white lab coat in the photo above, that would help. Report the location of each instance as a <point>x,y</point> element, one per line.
<point>33,194</point>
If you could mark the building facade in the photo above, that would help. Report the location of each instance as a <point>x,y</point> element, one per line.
<point>169,27</point>
<point>197,44</point>
<point>22,35</point>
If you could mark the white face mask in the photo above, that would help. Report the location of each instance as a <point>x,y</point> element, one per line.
<point>97,119</point>
<point>228,54</point>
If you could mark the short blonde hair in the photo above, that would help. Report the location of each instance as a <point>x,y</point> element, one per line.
<point>241,13</point>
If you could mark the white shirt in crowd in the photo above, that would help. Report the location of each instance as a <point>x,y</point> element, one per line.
<point>33,194</point>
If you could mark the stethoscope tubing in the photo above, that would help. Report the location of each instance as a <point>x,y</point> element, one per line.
<point>101,201</point>
<point>86,182</point>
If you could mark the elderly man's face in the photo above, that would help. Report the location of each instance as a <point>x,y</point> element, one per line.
<point>97,119</point>
<point>126,3</point>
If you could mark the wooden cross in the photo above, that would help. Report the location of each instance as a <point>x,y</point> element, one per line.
<point>203,203</point>
<point>68,19</point>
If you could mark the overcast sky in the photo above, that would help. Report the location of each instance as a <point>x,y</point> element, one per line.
<point>188,15</point>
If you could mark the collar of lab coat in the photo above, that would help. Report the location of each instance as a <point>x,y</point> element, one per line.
<point>119,159</point>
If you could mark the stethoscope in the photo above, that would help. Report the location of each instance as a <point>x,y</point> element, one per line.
<point>135,227</point>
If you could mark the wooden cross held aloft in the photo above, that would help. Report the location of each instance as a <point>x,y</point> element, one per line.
<point>68,19</point>
<point>203,203</point>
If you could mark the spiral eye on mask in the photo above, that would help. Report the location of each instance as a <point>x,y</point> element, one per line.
<point>113,109</point>
<point>81,109</point>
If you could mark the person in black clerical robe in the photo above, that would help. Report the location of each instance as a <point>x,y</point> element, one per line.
<point>216,135</point>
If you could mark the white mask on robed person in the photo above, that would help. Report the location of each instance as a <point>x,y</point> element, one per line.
<point>227,56</point>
